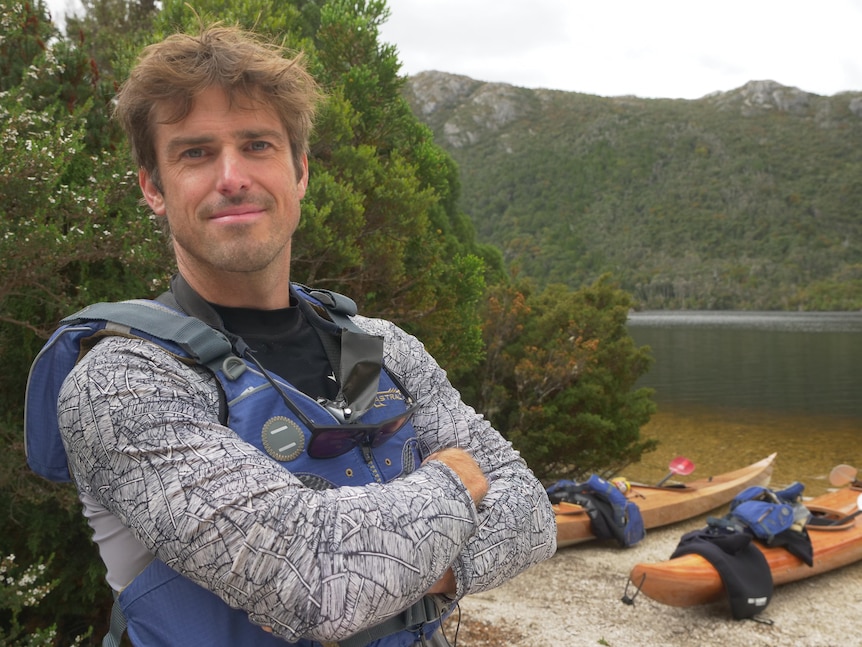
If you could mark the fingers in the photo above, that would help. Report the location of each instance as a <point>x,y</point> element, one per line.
<point>467,470</point>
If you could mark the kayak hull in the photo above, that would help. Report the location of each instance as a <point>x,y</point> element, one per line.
<point>691,580</point>
<point>661,506</point>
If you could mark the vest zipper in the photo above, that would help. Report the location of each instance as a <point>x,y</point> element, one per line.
<point>369,461</point>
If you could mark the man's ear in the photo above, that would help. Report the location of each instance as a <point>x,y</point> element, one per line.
<point>152,192</point>
<point>302,181</point>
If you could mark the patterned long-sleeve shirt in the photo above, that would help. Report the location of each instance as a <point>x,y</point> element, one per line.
<point>144,441</point>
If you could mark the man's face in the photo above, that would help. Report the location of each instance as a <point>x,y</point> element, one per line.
<point>229,188</point>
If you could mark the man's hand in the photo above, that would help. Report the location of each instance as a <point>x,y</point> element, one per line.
<point>467,470</point>
<point>445,585</point>
<point>477,485</point>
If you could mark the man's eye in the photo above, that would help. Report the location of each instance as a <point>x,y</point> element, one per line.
<point>194,153</point>
<point>259,146</point>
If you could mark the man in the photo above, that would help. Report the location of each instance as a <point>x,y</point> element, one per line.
<point>307,506</point>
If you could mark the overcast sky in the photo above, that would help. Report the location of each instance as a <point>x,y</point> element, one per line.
<point>682,49</point>
<point>649,48</point>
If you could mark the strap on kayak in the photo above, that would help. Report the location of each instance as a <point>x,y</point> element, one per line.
<point>631,600</point>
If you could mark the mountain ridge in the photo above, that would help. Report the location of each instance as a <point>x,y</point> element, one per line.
<point>743,199</point>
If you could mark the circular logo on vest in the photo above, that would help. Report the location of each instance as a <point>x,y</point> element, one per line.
<point>282,438</point>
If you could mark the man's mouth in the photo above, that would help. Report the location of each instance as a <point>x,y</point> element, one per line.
<point>237,214</point>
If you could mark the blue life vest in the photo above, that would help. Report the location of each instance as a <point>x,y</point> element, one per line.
<point>612,515</point>
<point>186,612</point>
<point>768,513</point>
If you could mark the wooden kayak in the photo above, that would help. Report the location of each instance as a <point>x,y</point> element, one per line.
<point>690,580</point>
<point>663,505</point>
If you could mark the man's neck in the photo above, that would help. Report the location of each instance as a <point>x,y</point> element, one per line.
<point>259,291</point>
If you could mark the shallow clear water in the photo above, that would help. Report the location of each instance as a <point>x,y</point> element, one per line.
<point>734,387</point>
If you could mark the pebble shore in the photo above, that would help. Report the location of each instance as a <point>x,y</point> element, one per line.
<point>574,600</point>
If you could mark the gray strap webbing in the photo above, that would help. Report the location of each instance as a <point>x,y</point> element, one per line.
<point>117,628</point>
<point>339,307</point>
<point>207,345</point>
<point>428,609</point>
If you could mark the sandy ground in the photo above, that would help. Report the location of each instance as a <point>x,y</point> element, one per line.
<point>574,600</point>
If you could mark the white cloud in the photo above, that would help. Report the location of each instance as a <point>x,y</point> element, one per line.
<point>649,48</point>
<point>661,48</point>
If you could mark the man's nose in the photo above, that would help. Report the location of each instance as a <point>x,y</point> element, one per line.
<point>233,173</point>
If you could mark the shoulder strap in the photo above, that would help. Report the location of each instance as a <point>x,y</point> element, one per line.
<point>177,333</point>
<point>204,344</point>
<point>339,307</point>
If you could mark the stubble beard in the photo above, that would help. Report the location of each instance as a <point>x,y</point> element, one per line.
<point>240,254</point>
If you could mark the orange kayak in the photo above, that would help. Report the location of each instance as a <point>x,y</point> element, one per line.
<point>663,505</point>
<point>690,580</point>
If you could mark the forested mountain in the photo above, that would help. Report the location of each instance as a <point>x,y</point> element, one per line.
<point>748,199</point>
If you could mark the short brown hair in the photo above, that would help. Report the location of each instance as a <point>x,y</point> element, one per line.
<point>177,69</point>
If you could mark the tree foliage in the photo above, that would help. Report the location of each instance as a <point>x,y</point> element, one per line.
<point>111,31</point>
<point>70,233</point>
<point>559,377</point>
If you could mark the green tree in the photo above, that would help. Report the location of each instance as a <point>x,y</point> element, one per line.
<point>71,228</point>
<point>559,377</point>
<point>109,31</point>
<point>70,233</point>
<point>22,587</point>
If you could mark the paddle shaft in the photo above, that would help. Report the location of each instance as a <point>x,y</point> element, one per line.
<point>664,480</point>
<point>853,515</point>
<point>850,517</point>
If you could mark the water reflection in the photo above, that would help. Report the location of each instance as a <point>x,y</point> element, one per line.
<point>795,321</point>
<point>734,387</point>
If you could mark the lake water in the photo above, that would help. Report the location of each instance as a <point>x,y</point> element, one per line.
<point>733,387</point>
